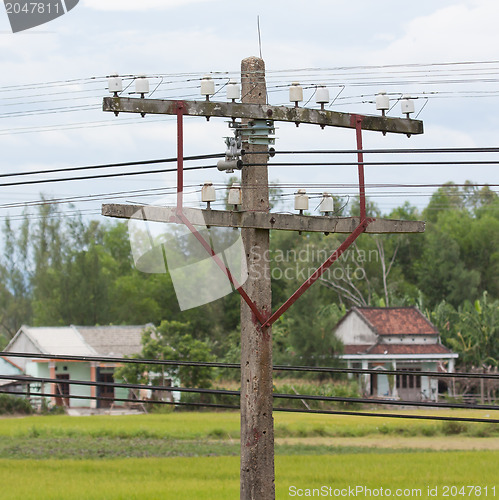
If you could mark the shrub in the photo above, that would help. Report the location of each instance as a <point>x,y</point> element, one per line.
<point>483,430</point>
<point>452,427</point>
<point>339,390</point>
<point>217,433</point>
<point>10,405</point>
<point>160,408</point>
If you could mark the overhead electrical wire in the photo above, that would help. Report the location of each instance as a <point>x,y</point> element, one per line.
<point>358,75</point>
<point>212,364</point>
<point>308,152</point>
<point>103,176</point>
<point>114,165</point>
<point>222,392</point>
<point>92,197</point>
<point>275,409</point>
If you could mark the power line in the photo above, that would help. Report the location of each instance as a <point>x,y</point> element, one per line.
<point>114,165</point>
<point>492,149</point>
<point>222,392</point>
<point>103,176</point>
<point>376,164</point>
<point>206,364</point>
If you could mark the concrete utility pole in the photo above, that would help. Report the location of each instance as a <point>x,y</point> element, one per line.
<point>255,221</point>
<point>257,425</point>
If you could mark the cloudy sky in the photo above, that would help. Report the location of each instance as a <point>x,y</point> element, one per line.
<point>53,78</point>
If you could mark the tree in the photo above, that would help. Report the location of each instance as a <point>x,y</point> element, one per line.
<point>305,333</point>
<point>477,338</point>
<point>172,340</point>
<point>15,292</point>
<point>442,274</point>
<point>460,260</point>
<point>471,330</point>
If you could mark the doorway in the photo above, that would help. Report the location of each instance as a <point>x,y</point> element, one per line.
<point>62,390</point>
<point>104,391</point>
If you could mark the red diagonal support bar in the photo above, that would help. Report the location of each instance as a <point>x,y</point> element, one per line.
<point>319,272</point>
<point>180,154</point>
<point>222,266</point>
<point>364,222</point>
<point>182,218</point>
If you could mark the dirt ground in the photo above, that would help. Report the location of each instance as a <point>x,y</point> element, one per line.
<point>429,443</point>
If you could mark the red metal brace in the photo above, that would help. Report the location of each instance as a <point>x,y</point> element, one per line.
<point>364,222</point>
<point>182,218</point>
<point>319,272</point>
<point>180,155</point>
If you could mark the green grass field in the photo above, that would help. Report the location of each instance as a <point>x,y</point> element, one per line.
<point>197,425</point>
<point>217,478</point>
<point>195,456</point>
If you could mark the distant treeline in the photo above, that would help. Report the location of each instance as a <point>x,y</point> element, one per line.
<point>61,270</point>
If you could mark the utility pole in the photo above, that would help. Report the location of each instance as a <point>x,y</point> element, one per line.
<point>257,425</point>
<point>255,222</point>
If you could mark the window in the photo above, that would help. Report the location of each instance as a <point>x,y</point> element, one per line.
<point>408,381</point>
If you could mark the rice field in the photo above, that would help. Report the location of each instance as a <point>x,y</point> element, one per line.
<point>217,478</point>
<point>195,456</point>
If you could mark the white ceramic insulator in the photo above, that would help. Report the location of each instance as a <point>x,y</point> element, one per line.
<point>233,90</point>
<point>208,192</point>
<point>322,95</point>
<point>295,92</point>
<point>141,85</point>
<point>207,85</point>
<point>327,203</point>
<point>115,83</point>
<point>235,195</point>
<point>301,200</point>
<point>407,105</point>
<point>382,102</point>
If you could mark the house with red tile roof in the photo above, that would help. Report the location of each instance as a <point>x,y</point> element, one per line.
<point>394,338</point>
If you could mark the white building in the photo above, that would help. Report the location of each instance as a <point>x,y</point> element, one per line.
<point>394,338</point>
<point>88,341</point>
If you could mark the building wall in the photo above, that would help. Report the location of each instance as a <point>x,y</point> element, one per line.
<point>428,391</point>
<point>353,330</point>
<point>386,386</point>
<point>23,344</point>
<point>383,384</point>
<point>7,368</point>
<point>76,371</point>
<point>409,339</point>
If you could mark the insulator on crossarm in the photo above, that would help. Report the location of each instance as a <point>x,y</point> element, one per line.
<point>296,93</point>
<point>407,105</point>
<point>301,201</point>
<point>115,84</point>
<point>322,96</point>
<point>233,91</point>
<point>326,205</point>
<point>382,102</point>
<point>208,194</point>
<point>207,86</point>
<point>142,86</point>
<point>235,196</point>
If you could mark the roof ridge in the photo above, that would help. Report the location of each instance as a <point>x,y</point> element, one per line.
<point>365,320</point>
<point>73,327</point>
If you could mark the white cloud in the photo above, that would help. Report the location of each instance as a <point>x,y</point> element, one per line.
<point>464,31</point>
<point>130,5</point>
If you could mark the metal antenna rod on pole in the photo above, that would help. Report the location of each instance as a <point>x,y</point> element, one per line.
<point>257,424</point>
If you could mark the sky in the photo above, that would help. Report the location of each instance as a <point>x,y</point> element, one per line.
<point>53,78</point>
